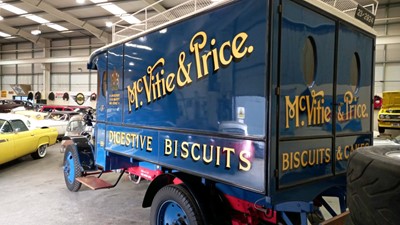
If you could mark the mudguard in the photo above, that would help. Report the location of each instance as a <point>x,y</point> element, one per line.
<point>85,151</point>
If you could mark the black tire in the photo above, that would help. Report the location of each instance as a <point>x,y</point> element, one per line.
<point>381,130</point>
<point>72,169</point>
<point>40,152</point>
<point>177,196</point>
<point>373,185</point>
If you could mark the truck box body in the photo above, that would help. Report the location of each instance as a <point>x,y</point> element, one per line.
<point>261,96</point>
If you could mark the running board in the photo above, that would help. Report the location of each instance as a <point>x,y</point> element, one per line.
<point>96,183</point>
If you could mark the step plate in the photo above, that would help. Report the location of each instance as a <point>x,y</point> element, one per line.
<point>94,183</point>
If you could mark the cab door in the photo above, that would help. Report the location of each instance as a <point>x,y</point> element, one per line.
<point>305,96</point>
<point>25,140</point>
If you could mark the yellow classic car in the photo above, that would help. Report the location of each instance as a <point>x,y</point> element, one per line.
<point>389,115</point>
<point>17,138</point>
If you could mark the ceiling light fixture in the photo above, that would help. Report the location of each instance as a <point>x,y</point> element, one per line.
<point>37,19</point>
<point>56,27</point>
<point>112,8</point>
<point>12,9</point>
<point>1,18</point>
<point>98,1</point>
<point>36,32</point>
<point>2,34</point>
<point>109,24</point>
<point>80,1</point>
<point>130,19</point>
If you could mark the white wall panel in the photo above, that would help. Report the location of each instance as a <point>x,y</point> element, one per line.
<point>393,52</point>
<point>25,55</point>
<point>60,53</point>
<point>393,29</point>
<point>380,30</point>
<point>60,79</point>
<point>8,56</point>
<point>9,79</point>
<point>24,79</point>
<point>59,87</point>
<point>24,68</point>
<point>380,53</point>
<point>37,82</point>
<point>37,68</point>
<point>394,11</point>
<point>60,43</point>
<point>25,45</point>
<point>9,69</point>
<point>80,41</point>
<point>80,79</point>
<point>78,67</point>
<point>8,47</point>
<point>392,77</point>
<point>38,54</point>
<point>80,52</point>
<point>79,87</point>
<point>60,67</point>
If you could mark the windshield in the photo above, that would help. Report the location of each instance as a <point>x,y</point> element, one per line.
<point>76,126</point>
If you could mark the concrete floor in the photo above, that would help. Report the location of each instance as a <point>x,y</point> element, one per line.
<point>34,192</point>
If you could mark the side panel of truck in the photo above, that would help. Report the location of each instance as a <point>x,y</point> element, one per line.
<point>191,97</point>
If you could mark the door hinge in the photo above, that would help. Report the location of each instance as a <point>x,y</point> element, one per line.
<point>280,8</point>
<point>277,91</point>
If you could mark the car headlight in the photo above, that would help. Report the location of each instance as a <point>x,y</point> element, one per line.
<point>381,116</point>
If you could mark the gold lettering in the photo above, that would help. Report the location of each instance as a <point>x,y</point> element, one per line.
<point>168,147</point>
<point>149,140</point>
<point>285,161</point>
<point>194,157</point>
<point>185,150</point>
<point>205,159</point>
<point>228,152</point>
<point>222,59</point>
<point>196,47</point>
<point>237,44</point>
<point>244,163</point>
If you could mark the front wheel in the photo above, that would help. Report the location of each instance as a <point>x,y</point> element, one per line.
<point>173,204</point>
<point>381,130</point>
<point>72,169</point>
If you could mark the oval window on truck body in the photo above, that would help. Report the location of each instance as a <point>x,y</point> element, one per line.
<point>309,61</point>
<point>355,72</point>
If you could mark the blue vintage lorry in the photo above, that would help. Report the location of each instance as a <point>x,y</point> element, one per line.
<point>244,113</point>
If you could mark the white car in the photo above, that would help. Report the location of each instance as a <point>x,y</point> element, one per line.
<point>57,119</point>
<point>385,139</point>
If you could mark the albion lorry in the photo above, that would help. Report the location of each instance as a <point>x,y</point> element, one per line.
<point>244,113</point>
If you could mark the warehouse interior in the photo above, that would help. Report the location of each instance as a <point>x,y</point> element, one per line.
<point>46,44</point>
<point>45,47</point>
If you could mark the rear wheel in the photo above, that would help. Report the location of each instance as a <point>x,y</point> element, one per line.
<point>72,169</point>
<point>373,185</point>
<point>173,204</point>
<point>40,152</point>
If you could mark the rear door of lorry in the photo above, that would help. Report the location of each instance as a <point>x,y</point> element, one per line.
<point>325,95</point>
